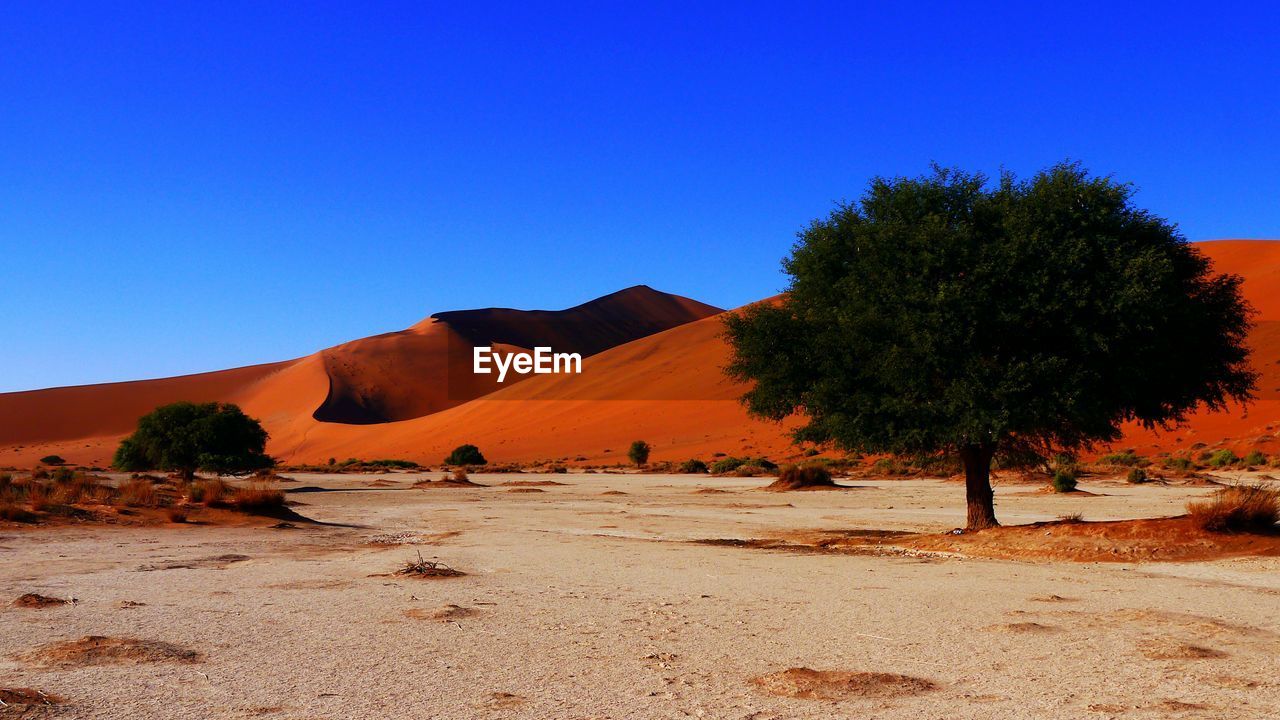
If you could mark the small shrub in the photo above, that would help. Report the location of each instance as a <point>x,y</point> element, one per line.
<point>1064,479</point>
<point>1125,458</point>
<point>52,460</point>
<point>1238,508</point>
<point>889,466</point>
<point>811,452</point>
<point>177,513</point>
<point>63,475</point>
<point>749,470</point>
<point>258,498</point>
<point>1255,459</point>
<point>1071,518</point>
<point>138,492</point>
<point>726,465</point>
<point>465,455</point>
<point>693,467</point>
<point>1180,463</point>
<point>1137,476</point>
<point>14,512</point>
<point>1222,458</point>
<point>558,469</point>
<point>638,453</point>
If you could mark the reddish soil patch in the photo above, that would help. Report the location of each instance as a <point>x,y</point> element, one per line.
<point>1165,649</point>
<point>20,701</point>
<point>444,613</point>
<point>99,650</point>
<point>840,685</point>
<point>32,600</point>
<point>613,492</point>
<point>1164,539</point>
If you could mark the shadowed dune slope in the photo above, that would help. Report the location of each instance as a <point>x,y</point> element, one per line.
<point>427,368</point>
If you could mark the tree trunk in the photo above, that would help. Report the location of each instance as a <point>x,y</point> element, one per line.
<point>187,474</point>
<point>977,485</point>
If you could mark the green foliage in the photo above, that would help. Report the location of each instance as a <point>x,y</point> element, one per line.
<point>1064,479</point>
<point>465,455</point>
<point>1124,458</point>
<point>1222,458</point>
<point>1179,462</point>
<point>1137,476</point>
<point>393,463</point>
<point>692,467</point>
<point>1255,458</point>
<point>946,313</point>
<point>727,465</point>
<point>638,453</point>
<point>185,437</point>
<point>52,460</point>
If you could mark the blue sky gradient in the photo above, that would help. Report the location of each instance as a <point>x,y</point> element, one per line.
<point>189,189</point>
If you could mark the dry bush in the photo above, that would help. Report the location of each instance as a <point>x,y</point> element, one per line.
<point>802,476</point>
<point>177,513</point>
<point>211,492</point>
<point>258,498</point>
<point>459,475</point>
<point>749,470</point>
<point>427,568</point>
<point>1238,508</point>
<point>139,492</point>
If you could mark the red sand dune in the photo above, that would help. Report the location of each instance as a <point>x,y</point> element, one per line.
<point>665,387</point>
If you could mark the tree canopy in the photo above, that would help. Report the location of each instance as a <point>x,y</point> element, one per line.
<point>945,313</point>
<point>185,437</point>
<point>638,453</point>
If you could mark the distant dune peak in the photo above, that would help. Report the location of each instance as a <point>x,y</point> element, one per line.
<point>400,376</point>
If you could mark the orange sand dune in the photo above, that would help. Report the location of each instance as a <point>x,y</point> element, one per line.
<point>665,388</point>
<point>427,368</point>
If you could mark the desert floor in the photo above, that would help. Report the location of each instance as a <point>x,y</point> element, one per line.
<point>581,604</point>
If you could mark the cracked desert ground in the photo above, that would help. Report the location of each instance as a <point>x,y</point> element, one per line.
<point>582,604</point>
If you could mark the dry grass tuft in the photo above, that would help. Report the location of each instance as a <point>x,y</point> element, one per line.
<point>139,492</point>
<point>1238,508</point>
<point>212,492</point>
<point>258,498</point>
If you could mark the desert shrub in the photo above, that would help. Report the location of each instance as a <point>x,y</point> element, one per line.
<point>1255,458</point>
<point>1064,479</point>
<point>1238,508</point>
<point>694,466</point>
<point>804,475</point>
<point>53,460</point>
<point>465,455</point>
<point>40,474</point>
<point>889,466</point>
<point>209,492</point>
<point>1137,476</point>
<point>1124,458</point>
<point>726,465</point>
<point>638,453</point>
<point>63,475</point>
<point>401,464</point>
<point>177,513</point>
<point>138,492</point>
<point>811,452</point>
<point>749,470</point>
<point>1071,518</point>
<point>1222,458</point>
<point>1179,462</point>
<point>258,498</point>
<point>333,461</point>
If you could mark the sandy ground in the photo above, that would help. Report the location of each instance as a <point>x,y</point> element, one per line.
<point>578,604</point>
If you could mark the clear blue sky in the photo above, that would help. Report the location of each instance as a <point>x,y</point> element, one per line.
<point>191,189</point>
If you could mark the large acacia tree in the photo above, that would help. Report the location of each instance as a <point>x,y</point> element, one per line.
<point>946,314</point>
